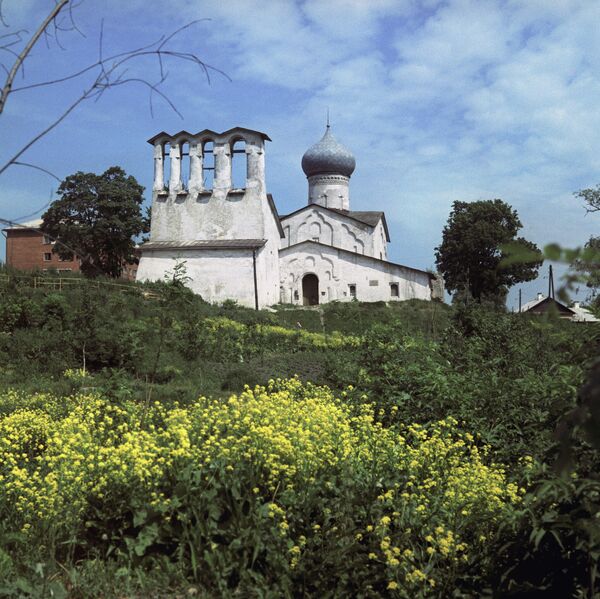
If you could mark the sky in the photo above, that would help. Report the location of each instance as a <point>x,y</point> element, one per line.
<point>438,100</point>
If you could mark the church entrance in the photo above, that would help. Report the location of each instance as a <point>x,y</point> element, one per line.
<point>310,290</point>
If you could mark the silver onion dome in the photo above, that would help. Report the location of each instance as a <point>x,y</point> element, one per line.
<point>328,156</point>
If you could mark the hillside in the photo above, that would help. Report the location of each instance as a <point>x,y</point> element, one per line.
<point>153,444</point>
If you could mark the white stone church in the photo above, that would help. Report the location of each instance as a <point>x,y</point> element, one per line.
<point>235,244</point>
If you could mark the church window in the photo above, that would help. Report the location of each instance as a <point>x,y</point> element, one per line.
<point>185,164</point>
<point>238,164</point>
<point>208,164</point>
<point>352,290</point>
<point>296,295</point>
<point>394,290</point>
<point>47,256</point>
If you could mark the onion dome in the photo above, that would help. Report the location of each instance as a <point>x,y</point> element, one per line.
<point>328,156</point>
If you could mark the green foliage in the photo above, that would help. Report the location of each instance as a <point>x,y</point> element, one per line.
<point>97,218</point>
<point>471,254</point>
<point>512,383</point>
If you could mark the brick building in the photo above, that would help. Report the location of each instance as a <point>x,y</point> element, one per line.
<point>27,248</point>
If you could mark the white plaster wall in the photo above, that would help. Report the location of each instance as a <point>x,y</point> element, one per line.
<point>334,229</point>
<point>380,242</point>
<point>337,270</point>
<point>216,275</point>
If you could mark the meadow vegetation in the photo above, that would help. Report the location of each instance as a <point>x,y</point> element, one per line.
<point>155,445</point>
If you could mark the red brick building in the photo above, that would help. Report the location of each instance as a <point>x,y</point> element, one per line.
<point>27,248</point>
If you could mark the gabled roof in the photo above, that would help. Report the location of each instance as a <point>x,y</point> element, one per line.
<point>348,252</point>
<point>543,303</point>
<point>244,129</point>
<point>205,132</point>
<point>369,218</point>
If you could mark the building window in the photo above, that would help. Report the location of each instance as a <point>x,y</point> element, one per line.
<point>65,270</point>
<point>352,290</point>
<point>315,239</point>
<point>47,240</point>
<point>394,291</point>
<point>47,256</point>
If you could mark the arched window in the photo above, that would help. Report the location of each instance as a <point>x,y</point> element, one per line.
<point>208,164</point>
<point>185,163</point>
<point>166,163</point>
<point>238,164</point>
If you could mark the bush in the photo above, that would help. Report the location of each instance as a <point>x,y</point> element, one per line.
<point>284,488</point>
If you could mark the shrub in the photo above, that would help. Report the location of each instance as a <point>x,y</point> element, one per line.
<point>285,487</point>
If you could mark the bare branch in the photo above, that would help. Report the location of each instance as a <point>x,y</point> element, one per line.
<point>26,50</point>
<point>39,168</point>
<point>2,20</point>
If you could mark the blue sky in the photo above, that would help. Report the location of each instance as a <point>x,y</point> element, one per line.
<point>439,101</point>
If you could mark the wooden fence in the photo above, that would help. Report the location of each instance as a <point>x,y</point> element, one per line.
<point>62,283</point>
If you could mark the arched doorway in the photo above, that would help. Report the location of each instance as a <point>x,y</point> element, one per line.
<point>310,290</point>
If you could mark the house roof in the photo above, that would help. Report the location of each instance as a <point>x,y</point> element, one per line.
<point>370,218</point>
<point>31,224</point>
<point>205,244</point>
<point>348,252</point>
<point>541,302</point>
<point>582,314</point>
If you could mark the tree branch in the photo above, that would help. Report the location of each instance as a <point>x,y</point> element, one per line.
<point>24,53</point>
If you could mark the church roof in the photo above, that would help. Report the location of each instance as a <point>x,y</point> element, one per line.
<point>275,214</point>
<point>205,133</point>
<point>328,156</point>
<point>205,244</point>
<point>366,217</point>
<point>350,253</point>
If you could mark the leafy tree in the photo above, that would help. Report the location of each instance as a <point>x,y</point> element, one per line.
<point>474,247</point>
<point>97,217</point>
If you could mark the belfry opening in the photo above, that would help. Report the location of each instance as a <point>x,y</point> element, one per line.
<point>310,290</point>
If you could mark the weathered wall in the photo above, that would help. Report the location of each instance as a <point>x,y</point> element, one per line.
<point>331,228</point>
<point>183,213</point>
<point>337,270</point>
<point>217,275</point>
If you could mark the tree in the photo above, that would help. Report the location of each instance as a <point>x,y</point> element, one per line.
<point>97,217</point>
<point>474,248</point>
<point>591,197</point>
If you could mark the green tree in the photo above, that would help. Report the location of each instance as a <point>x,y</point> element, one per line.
<point>474,247</point>
<point>97,217</point>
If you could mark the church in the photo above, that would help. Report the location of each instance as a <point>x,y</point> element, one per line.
<point>235,244</point>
